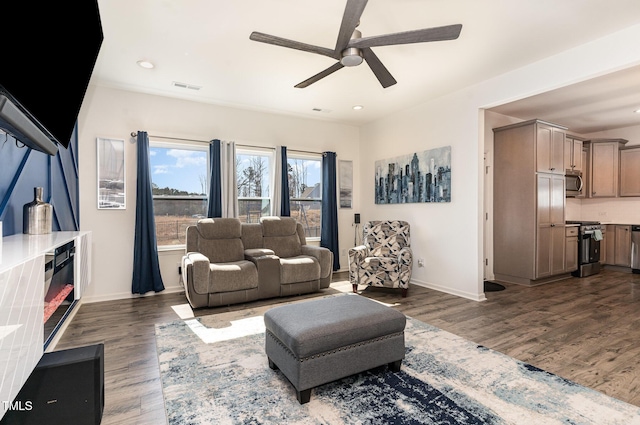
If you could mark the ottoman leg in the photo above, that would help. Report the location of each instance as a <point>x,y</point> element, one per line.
<point>304,396</point>
<point>272,365</point>
<point>395,366</point>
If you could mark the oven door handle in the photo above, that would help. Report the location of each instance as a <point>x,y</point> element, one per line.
<point>580,184</point>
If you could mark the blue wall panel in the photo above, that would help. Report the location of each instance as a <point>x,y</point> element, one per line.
<point>58,175</point>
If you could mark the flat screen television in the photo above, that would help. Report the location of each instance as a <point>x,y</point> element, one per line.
<point>48,53</point>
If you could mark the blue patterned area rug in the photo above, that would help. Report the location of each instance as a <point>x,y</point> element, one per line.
<point>214,371</point>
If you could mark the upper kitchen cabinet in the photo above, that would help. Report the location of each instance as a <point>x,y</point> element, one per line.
<point>630,171</point>
<point>573,153</point>
<point>550,148</point>
<point>603,175</point>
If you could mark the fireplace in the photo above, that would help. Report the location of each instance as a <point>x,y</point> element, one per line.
<point>59,298</point>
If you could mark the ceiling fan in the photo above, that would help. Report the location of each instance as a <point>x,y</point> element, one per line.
<point>351,48</point>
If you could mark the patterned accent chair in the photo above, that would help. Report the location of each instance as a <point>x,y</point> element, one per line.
<point>385,258</point>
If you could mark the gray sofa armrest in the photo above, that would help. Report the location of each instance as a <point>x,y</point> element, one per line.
<point>268,266</point>
<point>324,257</point>
<point>195,278</point>
<point>257,252</point>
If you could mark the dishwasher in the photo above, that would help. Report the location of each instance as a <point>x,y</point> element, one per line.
<point>635,249</point>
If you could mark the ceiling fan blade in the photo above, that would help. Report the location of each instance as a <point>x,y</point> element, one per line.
<point>449,32</point>
<point>350,20</point>
<point>381,72</point>
<point>283,42</point>
<point>320,75</point>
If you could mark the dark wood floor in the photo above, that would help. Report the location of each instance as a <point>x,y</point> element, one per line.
<point>586,330</point>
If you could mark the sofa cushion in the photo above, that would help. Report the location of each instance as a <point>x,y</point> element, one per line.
<point>233,276</point>
<point>252,235</point>
<point>299,269</point>
<point>219,228</point>
<point>278,226</point>
<point>219,239</point>
<point>280,235</point>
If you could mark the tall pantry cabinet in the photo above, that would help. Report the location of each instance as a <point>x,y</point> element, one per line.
<point>529,203</point>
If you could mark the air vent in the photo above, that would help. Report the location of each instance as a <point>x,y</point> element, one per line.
<point>186,86</point>
<point>326,111</point>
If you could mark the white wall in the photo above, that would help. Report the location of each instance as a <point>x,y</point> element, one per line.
<point>450,236</point>
<point>108,112</point>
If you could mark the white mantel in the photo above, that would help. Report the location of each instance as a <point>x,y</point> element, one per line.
<point>19,248</point>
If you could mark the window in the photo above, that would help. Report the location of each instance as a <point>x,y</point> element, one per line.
<point>253,177</point>
<point>179,180</point>
<point>305,191</point>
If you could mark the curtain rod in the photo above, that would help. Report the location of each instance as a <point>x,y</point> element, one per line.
<point>135,134</point>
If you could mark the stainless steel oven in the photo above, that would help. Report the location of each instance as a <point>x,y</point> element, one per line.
<point>589,237</point>
<point>573,183</point>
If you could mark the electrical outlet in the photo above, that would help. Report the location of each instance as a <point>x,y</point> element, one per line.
<point>421,262</point>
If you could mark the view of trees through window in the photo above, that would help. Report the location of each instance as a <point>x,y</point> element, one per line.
<point>253,178</point>
<point>305,192</point>
<point>179,175</point>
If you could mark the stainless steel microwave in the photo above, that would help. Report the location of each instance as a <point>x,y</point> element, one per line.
<point>573,183</point>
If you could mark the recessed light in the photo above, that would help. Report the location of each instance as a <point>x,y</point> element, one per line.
<point>145,64</point>
<point>637,111</point>
<point>358,107</point>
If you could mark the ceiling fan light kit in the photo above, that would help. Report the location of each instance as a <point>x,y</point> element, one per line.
<point>352,49</point>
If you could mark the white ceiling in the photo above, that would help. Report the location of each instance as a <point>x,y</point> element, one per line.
<point>206,43</point>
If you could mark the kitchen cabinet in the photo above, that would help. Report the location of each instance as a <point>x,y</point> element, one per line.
<point>571,248</point>
<point>550,249</point>
<point>610,245</point>
<point>603,245</point>
<point>603,173</point>
<point>617,245</point>
<point>573,153</point>
<point>550,147</point>
<point>622,255</point>
<point>529,203</point>
<point>586,188</point>
<point>630,171</point>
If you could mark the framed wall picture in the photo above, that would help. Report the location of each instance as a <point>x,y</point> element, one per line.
<point>417,177</point>
<point>345,183</point>
<point>111,174</point>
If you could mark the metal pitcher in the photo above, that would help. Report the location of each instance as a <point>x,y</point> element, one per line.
<point>37,215</point>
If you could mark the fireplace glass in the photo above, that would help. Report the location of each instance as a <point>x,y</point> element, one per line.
<point>59,298</point>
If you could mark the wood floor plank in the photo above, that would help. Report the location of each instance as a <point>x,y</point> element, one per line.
<point>583,329</point>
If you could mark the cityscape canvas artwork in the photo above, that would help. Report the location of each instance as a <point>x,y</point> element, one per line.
<point>418,177</point>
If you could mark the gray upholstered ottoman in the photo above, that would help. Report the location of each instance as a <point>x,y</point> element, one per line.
<point>319,341</point>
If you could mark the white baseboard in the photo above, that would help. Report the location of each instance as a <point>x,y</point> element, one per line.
<point>87,299</point>
<point>463,294</point>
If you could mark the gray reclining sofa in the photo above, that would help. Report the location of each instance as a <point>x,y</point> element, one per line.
<point>229,262</point>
